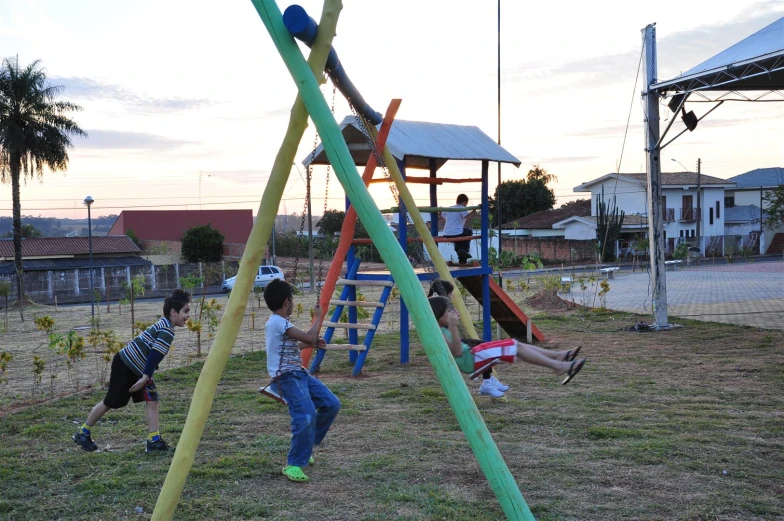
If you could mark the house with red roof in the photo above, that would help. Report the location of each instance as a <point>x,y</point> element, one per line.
<point>60,266</point>
<point>165,228</point>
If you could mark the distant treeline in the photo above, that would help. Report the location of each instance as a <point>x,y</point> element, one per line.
<point>54,227</point>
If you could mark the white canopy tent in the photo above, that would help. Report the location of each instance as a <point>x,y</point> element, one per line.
<point>750,70</point>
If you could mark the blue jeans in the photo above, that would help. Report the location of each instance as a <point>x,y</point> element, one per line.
<point>312,407</point>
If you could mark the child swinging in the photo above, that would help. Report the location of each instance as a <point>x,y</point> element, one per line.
<point>486,354</point>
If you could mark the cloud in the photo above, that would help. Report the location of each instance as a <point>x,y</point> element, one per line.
<point>122,140</point>
<point>86,88</point>
<point>678,52</point>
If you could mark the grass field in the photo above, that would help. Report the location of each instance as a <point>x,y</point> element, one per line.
<point>685,424</point>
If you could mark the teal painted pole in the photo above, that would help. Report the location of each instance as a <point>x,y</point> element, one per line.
<point>500,478</point>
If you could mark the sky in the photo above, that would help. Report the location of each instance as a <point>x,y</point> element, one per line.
<point>186,102</point>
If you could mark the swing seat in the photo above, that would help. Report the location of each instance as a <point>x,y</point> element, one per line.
<point>269,391</point>
<point>488,365</point>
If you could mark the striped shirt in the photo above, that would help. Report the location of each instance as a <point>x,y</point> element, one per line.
<point>282,350</point>
<point>158,336</point>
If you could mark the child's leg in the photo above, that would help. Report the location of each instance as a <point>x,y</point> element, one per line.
<point>327,408</point>
<point>96,414</point>
<point>151,412</point>
<point>294,387</point>
<point>549,353</point>
<point>533,355</point>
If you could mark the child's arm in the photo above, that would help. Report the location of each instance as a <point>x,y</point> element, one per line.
<point>455,345</point>
<point>311,336</point>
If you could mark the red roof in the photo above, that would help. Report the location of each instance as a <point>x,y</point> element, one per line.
<point>546,218</point>
<point>70,246</point>
<point>171,225</point>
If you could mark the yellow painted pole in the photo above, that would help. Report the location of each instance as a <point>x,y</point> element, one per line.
<point>207,384</point>
<point>432,249</point>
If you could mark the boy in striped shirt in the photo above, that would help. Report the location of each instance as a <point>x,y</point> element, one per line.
<point>132,370</point>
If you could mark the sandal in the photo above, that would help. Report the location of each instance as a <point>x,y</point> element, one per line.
<point>572,354</point>
<point>573,370</point>
<point>294,474</point>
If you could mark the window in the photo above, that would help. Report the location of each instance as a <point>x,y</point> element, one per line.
<point>275,270</point>
<point>693,233</point>
<point>664,206</point>
<point>681,233</point>
<point>729,201</point>
<point>718,209</point>
<point>266,271</point>
<point>711,215</point>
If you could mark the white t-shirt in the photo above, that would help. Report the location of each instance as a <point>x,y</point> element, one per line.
<point>282,351</point>
<point>455,221</point>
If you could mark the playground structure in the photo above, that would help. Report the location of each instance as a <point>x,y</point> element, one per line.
<point>417,145</point>
<point>310,101</point>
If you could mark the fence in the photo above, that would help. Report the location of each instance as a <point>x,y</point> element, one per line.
<point>72,286</point>
<point>553,250</point>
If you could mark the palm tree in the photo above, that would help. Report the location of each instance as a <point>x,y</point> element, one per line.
<point>537,173</point>
<point>34,133</point>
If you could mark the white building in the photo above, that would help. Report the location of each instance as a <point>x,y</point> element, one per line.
<point>679,207</point>
<point>749,191</point>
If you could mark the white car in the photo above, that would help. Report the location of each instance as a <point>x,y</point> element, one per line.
<point>263,277</point>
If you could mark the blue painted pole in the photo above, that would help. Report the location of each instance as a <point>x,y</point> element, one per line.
<point>433,199</point>
<point>304,28</point>
<point>487,331</point>
<point>403,239</point>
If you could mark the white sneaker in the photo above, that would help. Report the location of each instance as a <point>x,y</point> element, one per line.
<point>488,389</point>
<point>498,385</point>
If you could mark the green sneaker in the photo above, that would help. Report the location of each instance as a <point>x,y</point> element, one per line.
<point>311,461</point>
<point>294,474</point>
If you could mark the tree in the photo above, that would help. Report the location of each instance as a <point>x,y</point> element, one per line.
<point>537,173</point>
<point>202,244</point>
<point>28,231</point>
<point>331,222</point>
<point>571,204</point>
<point>35,133</point>
<point>134,238</point>
<point>774,213</point>
<point>520,198</point>
<point>608,227</point>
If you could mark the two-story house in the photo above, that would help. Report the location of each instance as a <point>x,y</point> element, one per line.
<point>746,199</point>
<point>678,205</point>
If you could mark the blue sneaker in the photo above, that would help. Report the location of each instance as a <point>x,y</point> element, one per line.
<point>85,441</point>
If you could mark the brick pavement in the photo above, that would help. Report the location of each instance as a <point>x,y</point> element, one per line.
<point>749,293</point>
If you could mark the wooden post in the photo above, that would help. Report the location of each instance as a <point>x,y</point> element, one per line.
<point>204,392</point>
<point>500,479</point>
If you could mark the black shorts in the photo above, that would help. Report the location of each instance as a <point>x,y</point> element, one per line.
<point>121,380</point>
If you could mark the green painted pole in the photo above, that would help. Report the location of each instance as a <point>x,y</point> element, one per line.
<point>485,450</point>
<point>207,384</point>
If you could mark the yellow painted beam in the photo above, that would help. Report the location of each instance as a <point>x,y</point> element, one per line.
<point>213,368</point>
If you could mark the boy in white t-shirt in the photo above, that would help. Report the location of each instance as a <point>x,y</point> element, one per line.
<point>312,406</point>
<point>454,226</point>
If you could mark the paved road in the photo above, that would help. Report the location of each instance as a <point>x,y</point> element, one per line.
<point>746,294</point>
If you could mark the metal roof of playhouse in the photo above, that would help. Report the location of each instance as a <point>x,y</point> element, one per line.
<point>416,142</point>
<point>756,63</point>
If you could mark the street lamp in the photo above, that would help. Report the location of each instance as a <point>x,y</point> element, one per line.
<point>88,202</point>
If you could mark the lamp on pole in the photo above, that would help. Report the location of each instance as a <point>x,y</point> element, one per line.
<point>88,202</point>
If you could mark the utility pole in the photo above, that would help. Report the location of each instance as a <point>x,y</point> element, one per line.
<point>653,165</point>
<point>699,211</point>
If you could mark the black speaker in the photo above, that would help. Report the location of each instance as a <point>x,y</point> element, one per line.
<point>689,118</point>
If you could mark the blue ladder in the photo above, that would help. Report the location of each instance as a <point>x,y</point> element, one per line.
<point>357,352</point>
